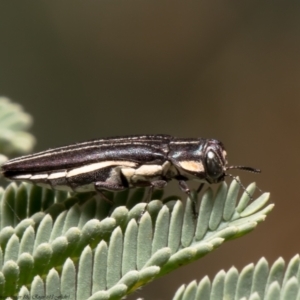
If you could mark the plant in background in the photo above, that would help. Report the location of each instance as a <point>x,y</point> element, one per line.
<point>78,246</point>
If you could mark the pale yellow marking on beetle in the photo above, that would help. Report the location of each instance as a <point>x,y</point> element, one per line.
<point>145,172</point>
<point>149,170</point>
<point>99,165</point>
<point>57,175</point>
<point>39,176</point>
<point>128,172</point>
<point>166,167</point>
<point>191,165</point>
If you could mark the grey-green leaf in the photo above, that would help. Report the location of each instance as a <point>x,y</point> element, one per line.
<point>250,283</point>
<point>71,246</point>
<point>14,123</point>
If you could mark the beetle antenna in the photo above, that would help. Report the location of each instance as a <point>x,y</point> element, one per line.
<point>241,185</point>
<point>248,169</point>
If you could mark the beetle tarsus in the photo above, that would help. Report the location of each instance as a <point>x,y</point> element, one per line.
<point>184,187</point>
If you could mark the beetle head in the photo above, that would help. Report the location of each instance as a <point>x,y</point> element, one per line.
<point>216,164</point>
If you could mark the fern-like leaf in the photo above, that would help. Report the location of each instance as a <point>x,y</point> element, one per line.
<point>254,282</point>
<point>14,123</point>
<point>79,245</point>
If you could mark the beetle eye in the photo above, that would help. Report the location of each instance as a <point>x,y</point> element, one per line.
<point>214,166</point>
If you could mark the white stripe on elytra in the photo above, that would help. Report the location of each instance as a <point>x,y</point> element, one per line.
<point>57,175</point>
<point>102,142</point>
<point>99,165</point>
<point>60,150</point>
<point>39,176</point>
<point>185,142</point>
<point>143,139</point>
<point>47,153</point>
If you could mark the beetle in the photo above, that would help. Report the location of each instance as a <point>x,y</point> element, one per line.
<point>119,163</point>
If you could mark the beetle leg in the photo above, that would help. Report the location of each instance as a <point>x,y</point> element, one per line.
<point>185,188</point>
<point>111,186</point>
<point>158,184</point>
<point>200,187</point>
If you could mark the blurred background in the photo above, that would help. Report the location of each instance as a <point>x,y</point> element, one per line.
<point>223,69</point>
